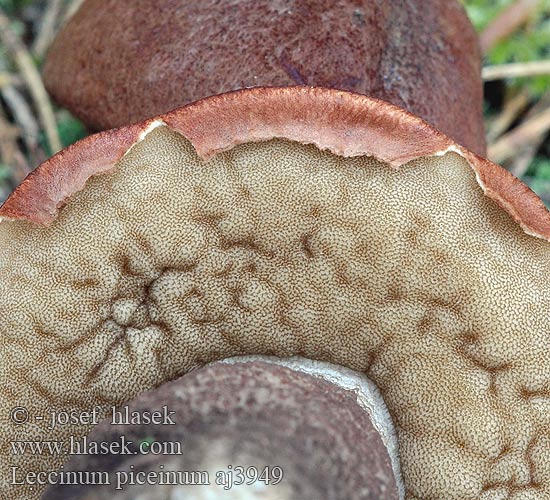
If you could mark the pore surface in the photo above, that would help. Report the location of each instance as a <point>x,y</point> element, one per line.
<point>412,276</point>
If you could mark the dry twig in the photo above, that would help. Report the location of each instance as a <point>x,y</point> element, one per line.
<point>72,8</point>
<point>48,28</point>
<point>501,71</point>
<point>506,23</point>
<point>9,151</point>
<point>9,79</point>
<point>8,139</point>
<point>30,74</point>
<point>511,109</point>
<point>24,117</point>
<point>526,133</point>
<point>521,161</point>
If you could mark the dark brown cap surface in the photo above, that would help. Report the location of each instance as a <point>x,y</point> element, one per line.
<point>119,62</point>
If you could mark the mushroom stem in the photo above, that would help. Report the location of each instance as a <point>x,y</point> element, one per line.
<point>316,430</point>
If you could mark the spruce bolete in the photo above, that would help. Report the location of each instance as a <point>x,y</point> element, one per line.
<point>118,62</point>
<point>287,221</point>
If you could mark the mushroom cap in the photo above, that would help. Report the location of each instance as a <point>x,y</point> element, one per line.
<point>324,427</point>
<point>117,62</point>
<point>288,221</point>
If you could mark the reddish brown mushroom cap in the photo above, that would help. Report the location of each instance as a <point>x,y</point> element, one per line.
<point>341,122</point>
<point>115,63</point>
<point>287,221</point>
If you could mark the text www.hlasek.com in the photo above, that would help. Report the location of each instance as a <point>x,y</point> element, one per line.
<point>85,447</point>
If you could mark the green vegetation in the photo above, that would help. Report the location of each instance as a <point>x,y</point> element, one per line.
<point>529,44</point>
<point>538,176</point>
<point>69,129</point>
<point>11,6</point>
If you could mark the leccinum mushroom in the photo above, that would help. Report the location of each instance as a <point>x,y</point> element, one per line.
<point>288,221</point>
<point>118,62</point>
<point>314,430</point>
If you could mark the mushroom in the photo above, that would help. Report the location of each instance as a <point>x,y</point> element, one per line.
<point>299,429</point>
<point>286,221</point>
<point>117,62</point>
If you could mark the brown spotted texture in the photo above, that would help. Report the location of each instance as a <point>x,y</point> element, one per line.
<point>118,62</point>
<point>410,275</point>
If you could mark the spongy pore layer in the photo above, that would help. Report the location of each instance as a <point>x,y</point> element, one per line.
<point>410,275</point>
